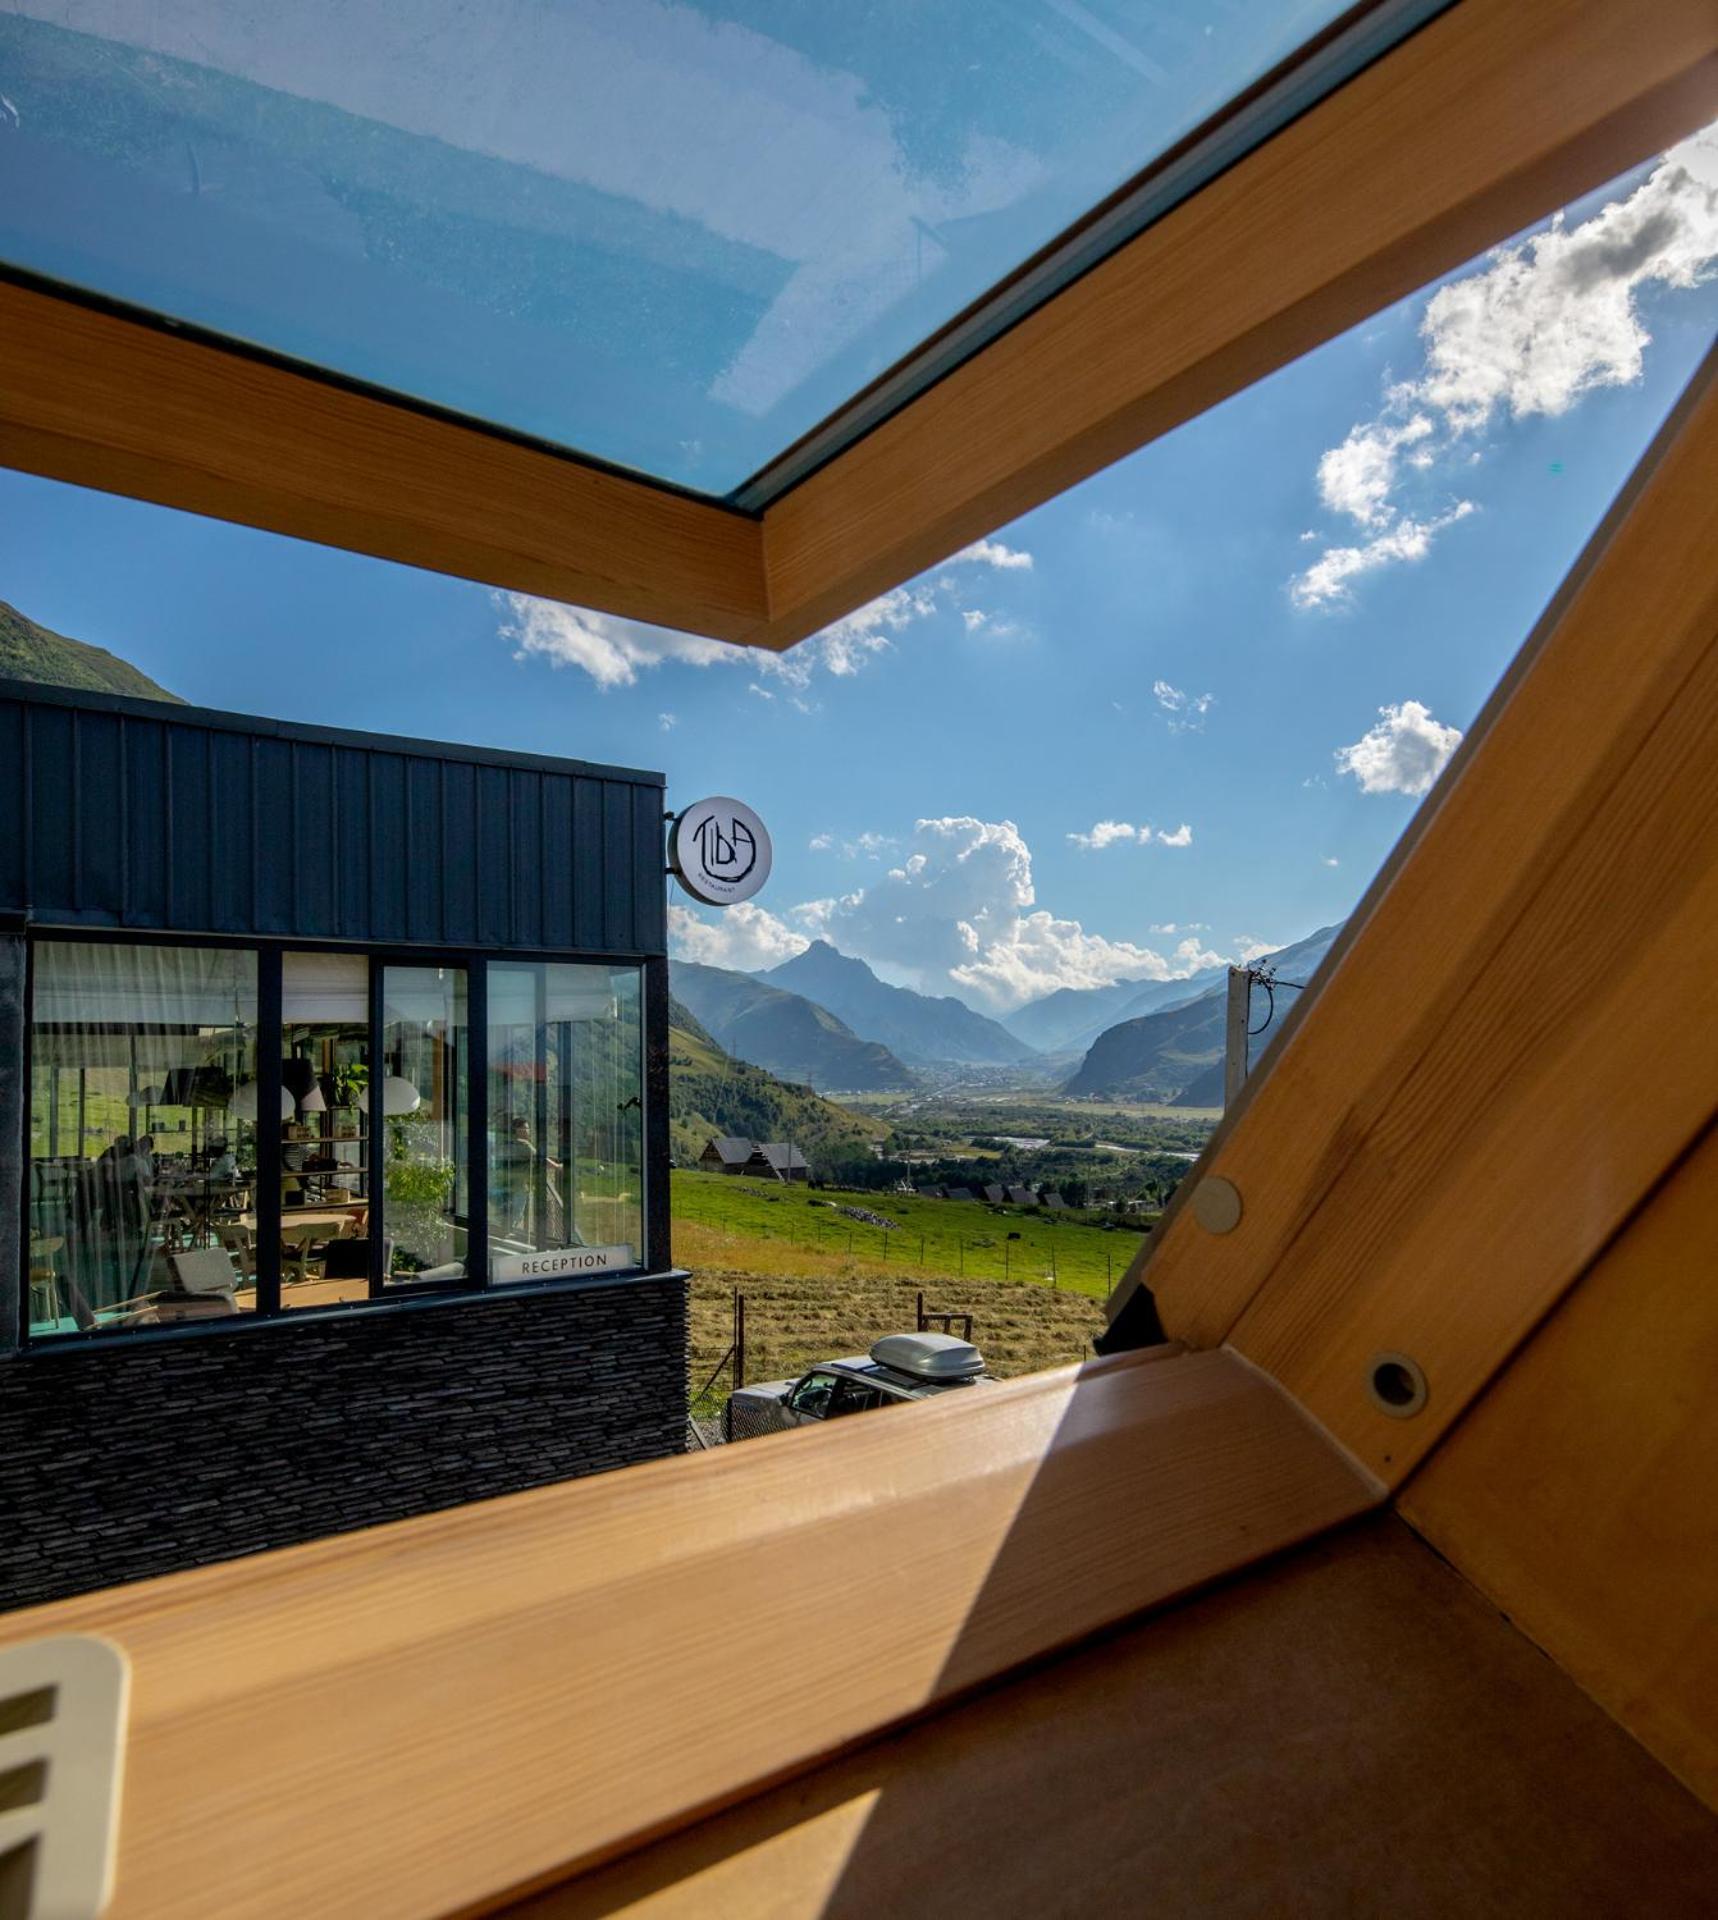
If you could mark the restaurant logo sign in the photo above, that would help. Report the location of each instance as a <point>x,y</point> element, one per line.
<point>560,1263</point>
<point>719,850</point>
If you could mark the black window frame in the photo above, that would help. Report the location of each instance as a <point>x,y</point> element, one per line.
<point>478,1283</point>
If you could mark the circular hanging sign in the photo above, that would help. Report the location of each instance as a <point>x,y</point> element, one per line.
<point>720,851</point>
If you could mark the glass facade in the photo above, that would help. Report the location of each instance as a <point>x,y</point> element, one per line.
<point>566,1123</point>
<point>143,1136</point>
<point>325,1152</point>
<point>155,1147</point>
<point>425,1123</point>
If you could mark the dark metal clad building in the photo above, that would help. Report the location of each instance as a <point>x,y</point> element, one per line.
<point>332,1102</point>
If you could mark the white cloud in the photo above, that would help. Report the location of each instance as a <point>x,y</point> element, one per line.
<point>960,913</point>
<point>992,553</point>
<point>821,842</point>
<point>1543,322</point>
<point>611,650</point>
<point>1108,833</point>
<point>668,721</point>
<point>1404,753</point>
<point>1326,582</point>
<point>614,651</point>
<point>1330,862</point>
<point>1186,711</point>
<point>1248,948</point>
<point>1184,926</point>
<point>746,938</point>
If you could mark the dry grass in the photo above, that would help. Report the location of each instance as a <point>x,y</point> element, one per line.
<point>793,1320</point>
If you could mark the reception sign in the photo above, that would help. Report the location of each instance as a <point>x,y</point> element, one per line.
<point>561,1263</point>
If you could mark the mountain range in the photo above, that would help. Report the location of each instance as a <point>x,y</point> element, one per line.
<point>921,1029</point>
<point>1071,1018</point>
<point>30,651</point>
<point>1176,1053</point>
<point>785,1033</point>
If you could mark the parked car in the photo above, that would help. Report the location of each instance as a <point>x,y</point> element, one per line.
<point>899,1368</point>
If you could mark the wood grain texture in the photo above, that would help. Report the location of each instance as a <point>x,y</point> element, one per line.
<point>415,1719</point>
<point>1499,1065</point>
<point>92,398</point>
<point>1581,1493</point>
<point>1492,116</point>
<point>1348,1731</point>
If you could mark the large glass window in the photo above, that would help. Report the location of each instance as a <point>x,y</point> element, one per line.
<point>143,1135</point>
<point>426,1177</point>
<point>566,1132</point>
<point>325,1157</point>
<point>153,1158</point>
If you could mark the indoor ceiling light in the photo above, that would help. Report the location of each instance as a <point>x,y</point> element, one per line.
<point>400,1096</point>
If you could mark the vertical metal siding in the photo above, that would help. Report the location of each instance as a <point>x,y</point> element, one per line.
<point>120,813</point>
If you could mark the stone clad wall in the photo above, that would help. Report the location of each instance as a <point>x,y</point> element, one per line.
<point>164,1452</point>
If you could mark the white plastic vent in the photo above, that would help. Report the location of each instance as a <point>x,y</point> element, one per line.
<point>62,1734</point>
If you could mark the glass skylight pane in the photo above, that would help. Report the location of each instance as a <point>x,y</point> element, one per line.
<point>672,236</point>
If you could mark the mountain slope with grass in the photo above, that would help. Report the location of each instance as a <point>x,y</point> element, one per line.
<point>30,651</point>
<point>920,1028</point>
<point>710,1095</point>
<point>786,1034</point>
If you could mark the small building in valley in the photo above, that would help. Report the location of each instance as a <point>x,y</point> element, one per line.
<point>757,1159</point>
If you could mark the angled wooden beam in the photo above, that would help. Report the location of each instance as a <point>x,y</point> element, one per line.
<point>416,1719</point>
<point>1497,113</point>
<point>105,401</point>
<point>1516,1037</point>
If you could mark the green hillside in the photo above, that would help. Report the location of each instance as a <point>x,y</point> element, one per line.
<point>29,651</point>
<point>711,1094</point>
<point>785,1033</point>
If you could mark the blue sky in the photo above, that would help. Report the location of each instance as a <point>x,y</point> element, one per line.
<point>1179,653</point>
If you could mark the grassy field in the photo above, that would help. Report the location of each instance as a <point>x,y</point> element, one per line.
<point>747,1226</point>
<point>794,1321</point>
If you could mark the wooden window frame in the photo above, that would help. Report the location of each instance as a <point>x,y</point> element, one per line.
<point>1489,117</point>
<point>467,1704</point>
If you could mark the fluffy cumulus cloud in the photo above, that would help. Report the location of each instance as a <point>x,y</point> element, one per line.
<point>746,938</point>
<point>1543,322</point>
<point>1404,753</point>
<point>1120,833</point>
<point>960,913</point>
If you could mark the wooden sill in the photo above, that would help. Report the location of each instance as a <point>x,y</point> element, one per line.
<point>417,1719</point>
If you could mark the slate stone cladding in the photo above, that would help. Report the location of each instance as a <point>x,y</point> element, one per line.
<point>165,1453</point>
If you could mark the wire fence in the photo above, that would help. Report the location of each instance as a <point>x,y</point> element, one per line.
<point>1008,1247</point>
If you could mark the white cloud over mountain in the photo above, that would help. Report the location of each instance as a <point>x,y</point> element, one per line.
<point>1404,753</point>
<point>746,938</point>
<point>1543,322</point>
<point>959,914</point>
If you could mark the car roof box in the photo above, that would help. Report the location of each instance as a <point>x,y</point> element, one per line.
<point>929,1356</point>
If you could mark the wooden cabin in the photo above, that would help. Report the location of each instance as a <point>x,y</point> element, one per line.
<point>1373,1567</point>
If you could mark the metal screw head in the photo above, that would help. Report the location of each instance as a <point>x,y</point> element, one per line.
<point>1217,1204</point>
